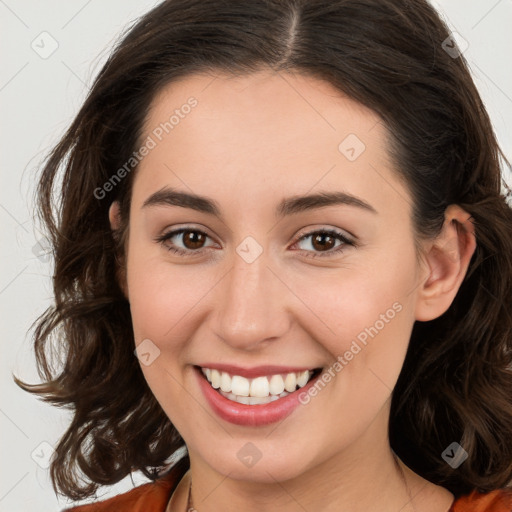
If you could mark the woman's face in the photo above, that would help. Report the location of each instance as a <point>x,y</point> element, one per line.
<point>261,280</point>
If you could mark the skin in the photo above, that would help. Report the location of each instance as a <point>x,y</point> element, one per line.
<point>250,142</point>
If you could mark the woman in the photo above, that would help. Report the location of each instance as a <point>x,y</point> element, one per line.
<point>282,243</point>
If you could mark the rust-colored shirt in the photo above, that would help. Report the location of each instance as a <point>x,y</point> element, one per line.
<point>154,496</point>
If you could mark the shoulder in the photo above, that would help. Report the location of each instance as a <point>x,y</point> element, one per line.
<point>149,497</point>
<point>495,501</point>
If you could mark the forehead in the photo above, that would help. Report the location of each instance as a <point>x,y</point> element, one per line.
<point>263,134</point>
<point>264,103</point>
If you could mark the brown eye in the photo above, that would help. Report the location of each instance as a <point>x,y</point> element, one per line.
<point>325,243</point>
<point>192,241</point>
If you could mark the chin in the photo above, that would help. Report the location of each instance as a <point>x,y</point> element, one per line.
<point>246,462</point>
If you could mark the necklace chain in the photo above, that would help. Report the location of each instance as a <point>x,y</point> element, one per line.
<point>190,507</point>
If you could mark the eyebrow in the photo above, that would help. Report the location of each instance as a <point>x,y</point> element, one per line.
<point>291,205</point>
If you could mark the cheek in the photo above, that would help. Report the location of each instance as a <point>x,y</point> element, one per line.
<point>162,295</point>
<point>349,306</point>
<point>365,317</point>
<point>369,320</point>
<point>163,299</point>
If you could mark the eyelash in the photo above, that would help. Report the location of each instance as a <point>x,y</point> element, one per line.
<point>310,254</point>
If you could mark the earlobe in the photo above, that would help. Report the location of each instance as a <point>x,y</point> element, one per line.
<point>448,260</point>
<point>114,217</point>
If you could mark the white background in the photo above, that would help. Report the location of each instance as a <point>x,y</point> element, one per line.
<point>39,98</point>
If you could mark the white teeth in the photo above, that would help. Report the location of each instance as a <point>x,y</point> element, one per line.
<point>239,385</point>
<point>215,379</point>
<point>243,400</point>
<point>290,383</point>
<point>276,385</point>
<point>260,390</point>
<point>253,400</point>
<point>256,400</point>
<point>225,382</point>
<point>259,387</point>
<point>302,379</point>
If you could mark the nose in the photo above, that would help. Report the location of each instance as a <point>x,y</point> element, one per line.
<point>252,306</point>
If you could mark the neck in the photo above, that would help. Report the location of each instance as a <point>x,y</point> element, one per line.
<point>356,479</point>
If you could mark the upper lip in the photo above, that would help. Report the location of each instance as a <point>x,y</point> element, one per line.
<point>255,371</point>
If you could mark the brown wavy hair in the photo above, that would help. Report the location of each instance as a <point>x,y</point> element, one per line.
<point>456,382</point>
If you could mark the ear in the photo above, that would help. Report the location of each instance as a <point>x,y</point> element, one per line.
<point>447,260</point>
<point>114,216</point>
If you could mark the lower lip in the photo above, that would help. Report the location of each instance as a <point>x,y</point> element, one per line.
<point>251,415</point>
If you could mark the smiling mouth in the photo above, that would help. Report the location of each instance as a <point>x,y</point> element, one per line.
<point>260,390</point>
